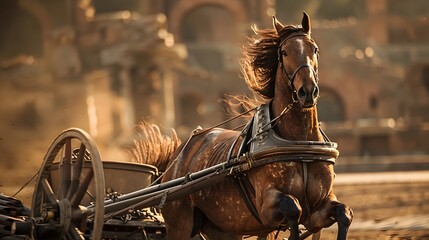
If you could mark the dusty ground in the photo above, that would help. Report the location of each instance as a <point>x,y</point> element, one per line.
<point>383,211</point>
<point>386,211</point>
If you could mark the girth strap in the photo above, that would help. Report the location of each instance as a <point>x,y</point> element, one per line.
<point>246,189</point>
<point>305,178</point>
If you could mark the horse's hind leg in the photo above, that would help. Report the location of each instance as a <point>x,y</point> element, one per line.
<point>316,236</point>
<point>212,232</point>
<point>278,208</point>
<point>179,219</point>
<point>332,211</point>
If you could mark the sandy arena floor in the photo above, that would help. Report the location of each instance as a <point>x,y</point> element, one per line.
<point>386,205</point>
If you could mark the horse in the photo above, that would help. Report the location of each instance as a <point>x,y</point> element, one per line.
<point>281,65</point>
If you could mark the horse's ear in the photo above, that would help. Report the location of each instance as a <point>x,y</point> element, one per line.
<point>306,25</point>
<point>277,25</point>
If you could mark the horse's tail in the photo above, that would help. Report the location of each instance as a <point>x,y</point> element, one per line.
<point>152,147</point>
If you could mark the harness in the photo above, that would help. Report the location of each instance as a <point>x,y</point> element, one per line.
<point>291,77</point>
<point>261,146</point>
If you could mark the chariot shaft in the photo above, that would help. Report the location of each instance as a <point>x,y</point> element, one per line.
<point>169,184</point>
<point>160,196</point>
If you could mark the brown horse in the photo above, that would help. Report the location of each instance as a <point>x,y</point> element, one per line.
<point>281,65</point>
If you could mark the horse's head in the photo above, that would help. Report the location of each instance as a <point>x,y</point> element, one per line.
<point>298,58</point>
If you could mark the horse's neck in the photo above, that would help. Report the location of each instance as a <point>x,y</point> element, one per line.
<point>297,123</point>
<point>300,125</point>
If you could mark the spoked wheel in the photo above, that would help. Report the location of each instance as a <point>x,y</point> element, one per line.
<point>62,187</point>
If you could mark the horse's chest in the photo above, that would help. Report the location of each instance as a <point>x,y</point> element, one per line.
<point>319,182</point>
<point>285,176</point>
<point>289,178</point>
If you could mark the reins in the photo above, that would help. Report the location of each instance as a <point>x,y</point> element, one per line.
<point>271,124</point>
<point>275,120</point>
<point>199,130</point>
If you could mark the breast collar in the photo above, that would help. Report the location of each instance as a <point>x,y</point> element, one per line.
<point>261,146</point>
<point>267,146</point>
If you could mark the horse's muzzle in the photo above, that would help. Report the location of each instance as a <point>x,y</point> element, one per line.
<point>307,97</point>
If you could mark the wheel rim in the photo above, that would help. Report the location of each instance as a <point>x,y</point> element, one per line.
<point>60,204</point>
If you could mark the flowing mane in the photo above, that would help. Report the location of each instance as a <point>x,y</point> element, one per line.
<point>260,59</point>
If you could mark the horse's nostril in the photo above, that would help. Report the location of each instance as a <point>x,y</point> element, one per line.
<point>316,92</point>
<point>302,93</point>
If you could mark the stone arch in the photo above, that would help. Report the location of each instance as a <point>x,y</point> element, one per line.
<point>208,24</point>
<point>183,7</point>
<point>330,106</point>
<point>20,32</point>
<point>36,9</point>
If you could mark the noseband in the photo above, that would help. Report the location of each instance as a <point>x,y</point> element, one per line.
<point>291,77</point>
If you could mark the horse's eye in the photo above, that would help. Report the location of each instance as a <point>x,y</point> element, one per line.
<point>284,53</point>
<point>316,51</point>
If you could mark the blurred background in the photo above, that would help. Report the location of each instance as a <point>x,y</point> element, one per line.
<point>105,65</point>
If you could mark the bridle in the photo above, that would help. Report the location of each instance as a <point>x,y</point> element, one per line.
<point>291,77</point>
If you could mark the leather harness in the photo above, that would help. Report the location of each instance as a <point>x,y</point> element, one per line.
<point>261,146</point>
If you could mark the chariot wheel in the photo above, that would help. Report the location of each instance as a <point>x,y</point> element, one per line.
<point>62,187</point>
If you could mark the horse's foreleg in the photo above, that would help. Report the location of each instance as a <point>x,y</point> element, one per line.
<point>344,216</point>
<point>332,211</point>
<point>278,208</point>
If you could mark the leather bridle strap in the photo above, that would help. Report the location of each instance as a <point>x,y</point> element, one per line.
<point>291,77</point>
<point>296,34</point>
